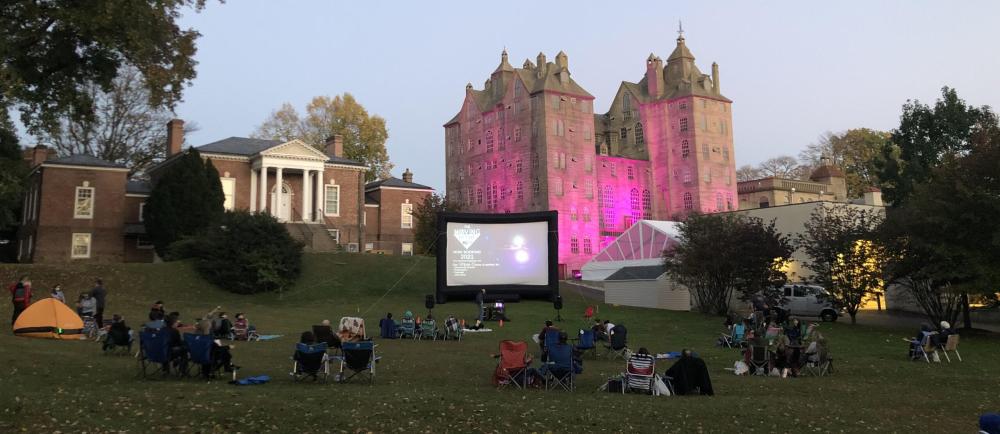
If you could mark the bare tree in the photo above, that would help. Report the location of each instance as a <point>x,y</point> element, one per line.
<point>747,172</point>
<point>784,166</point>
<point>125,128</point>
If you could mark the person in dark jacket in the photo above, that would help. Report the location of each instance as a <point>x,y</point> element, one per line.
<point>20,297</point>
<point>690,375</point>
<point>100,295</point>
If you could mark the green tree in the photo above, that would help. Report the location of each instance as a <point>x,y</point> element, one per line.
<point>425,232</point>
<point>184,202</point>
<point>249,253</point>
<point>845,253</point>
<point>364,134</point>
<point>50,51</point>
<point>719,255</point>
<point>925,137</point>
<point>12,173</point>
<point>855,151</point>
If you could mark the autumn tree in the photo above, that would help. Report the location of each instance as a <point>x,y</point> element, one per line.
<point>124,128</point>
<point>855,151</point>
<point>364,134</point>
<point>722,255</point>
<point>845,254</point>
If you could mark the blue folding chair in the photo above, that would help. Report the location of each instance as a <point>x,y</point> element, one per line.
<point>586,342</point>
<point>154,351</point>
<point>359,358</point>
<point>310,361</point>
<point>551,338</point>
<point>559,368</point>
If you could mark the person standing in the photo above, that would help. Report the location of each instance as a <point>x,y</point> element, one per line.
<point>20,297</point>
<point>481,300</point>
<point>57,293</point>
<point>100,295</point>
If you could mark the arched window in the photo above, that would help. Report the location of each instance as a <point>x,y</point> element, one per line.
<point>574,244</point>
<point>685,149</point>
<point>635,202</point>
<point>688,202</point>
<point>586,246</point>
<point>639,138</point>
<point>647,205</point>
<point>626,102</point>
<point>718,201</point>
<point>684,124</point>
<point>608,205</point>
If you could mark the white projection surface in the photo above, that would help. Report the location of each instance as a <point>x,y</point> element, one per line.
<point>497,254</point>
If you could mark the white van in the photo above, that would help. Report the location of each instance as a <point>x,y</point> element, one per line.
<point>803,300</point>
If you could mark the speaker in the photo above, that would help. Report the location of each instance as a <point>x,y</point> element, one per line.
<point>429,301</point>
<point>558,302</point>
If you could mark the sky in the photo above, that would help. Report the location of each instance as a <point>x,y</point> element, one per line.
<point>793,69</point>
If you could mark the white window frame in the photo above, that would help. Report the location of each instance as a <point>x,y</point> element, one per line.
<point>369,247</point>
<point>142,210</point>
<point>335,234</point>
<point>404,247</point>
<point>326,200</point>
<point>231,199</point>
<point>406,215</point>
<point>72,245</point>
<point>76,202</point>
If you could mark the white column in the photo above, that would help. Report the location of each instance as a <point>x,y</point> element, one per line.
<point>263,189</point>
<point>253,190</point>
<point>305,196</point>
<point>320,197</point>
<point>277,194</point>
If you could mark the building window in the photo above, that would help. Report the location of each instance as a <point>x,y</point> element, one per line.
<point>704,151</point>
<point>334,235</point>
<point>608,205</point>
<point>574,244</point>
<point>84,205</point>
<point>332,200</point>
<point>556,102</point>
<point>534,160</point>
<point>586,134</point>
<point>613,169</point>
<point>725,153</point>
<point>479,196</point>
<point>557,185</point>
<point>729,201</point>
<point>80,247</point>
<point>143,243</point>
<point>586,214</point>
<point>626,103</point>
<point>560,128</point>
<point>406,215</point>
<point>142,212</point>
<point>517,134</point>
<point>369,247</point>
<point>587,249</point>
<point>352,247</point>
<point>630,170</point>
<point>639,138</point>
<point>718,201</point>
<point>647,205</point>
<point>520,190</point>
<point>688,202</point>
<point>407,249</point>
<point>685,149</point>
<point>588,187</point>
<point>724,126</point>
<point>229,191</point>
<point>623,135</point>
<point>588,163</point>
<point>684,124</point>
<point>535,188</point>
<point>683,105</point>
<point>635,203</point>
<point>517,165</point>
<point>489,141</point>
<point>763,202</point>
<point>687,175</point>
<point>704,123</point>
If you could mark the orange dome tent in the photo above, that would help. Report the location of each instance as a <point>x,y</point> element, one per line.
<point>49,318</point>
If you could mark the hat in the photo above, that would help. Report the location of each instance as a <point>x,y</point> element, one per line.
<point>945,325</point>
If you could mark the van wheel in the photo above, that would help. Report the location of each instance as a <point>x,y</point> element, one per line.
<point>828,316</point>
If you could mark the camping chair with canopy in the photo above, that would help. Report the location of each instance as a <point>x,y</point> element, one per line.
<point>310,360</point>
<point>559,367</point>
<point>512,365</point>
<point>359,358</point>
<point>586,343</point>
<point>49,318</point>
<point>351,329</point>
<point>639,371</point>
<point>200,349</point>
<point>154,351</point>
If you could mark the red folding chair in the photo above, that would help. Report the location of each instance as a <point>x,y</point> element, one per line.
<point>511,365</point>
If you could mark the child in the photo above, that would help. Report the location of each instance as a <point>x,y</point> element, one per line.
<point>57,293</point>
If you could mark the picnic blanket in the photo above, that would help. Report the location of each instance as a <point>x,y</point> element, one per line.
<point>268,337</point>
<point>476,331</point>
<point>249,381</point>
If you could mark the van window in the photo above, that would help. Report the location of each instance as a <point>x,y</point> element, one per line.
<point>788,291</point>
<point>799,292</point>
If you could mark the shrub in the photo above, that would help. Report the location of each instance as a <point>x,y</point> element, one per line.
<point>185,200</point>
<point>248,253</point>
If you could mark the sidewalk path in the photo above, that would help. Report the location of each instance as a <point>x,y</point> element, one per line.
<point>908,320</point>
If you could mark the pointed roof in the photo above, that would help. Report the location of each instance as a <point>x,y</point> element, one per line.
<point>681,51</point>
<point>504,65</point>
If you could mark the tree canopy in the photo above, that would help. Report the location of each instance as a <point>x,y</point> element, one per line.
<point>425,232</point>
<point>11,174</point>
<point>855,151</point>
<point>364,134</point>
<point>186,200</point>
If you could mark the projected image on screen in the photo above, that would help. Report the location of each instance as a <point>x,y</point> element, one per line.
<point>497,254</point>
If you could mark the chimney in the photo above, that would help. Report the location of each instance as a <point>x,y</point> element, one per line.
<point>175,137</point>
<point>654,75</point>
<point>407,176</point>
<point>335,145</point>
<point>715,77</point>
<point>873,196</point>
<point>39,154</point>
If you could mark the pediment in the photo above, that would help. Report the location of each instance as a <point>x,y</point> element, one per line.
<point>296,149</point>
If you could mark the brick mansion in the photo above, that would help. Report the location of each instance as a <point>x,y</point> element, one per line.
<point>531,141</point>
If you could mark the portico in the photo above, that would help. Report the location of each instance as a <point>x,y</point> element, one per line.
<point>287,181</point>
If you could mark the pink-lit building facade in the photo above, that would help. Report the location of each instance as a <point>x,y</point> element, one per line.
<point>530,141</point>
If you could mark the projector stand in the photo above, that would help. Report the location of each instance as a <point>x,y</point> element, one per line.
<point>558,317</point>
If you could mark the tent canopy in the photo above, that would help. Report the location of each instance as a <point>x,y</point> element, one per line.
<point>49,318</point>
<point>639,246</point>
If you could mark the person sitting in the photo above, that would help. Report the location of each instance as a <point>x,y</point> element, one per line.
<point>242,330</point>
<point>545,330</point>
<point>561,359</point>
<point>918,340</point>
<point>772,331</point>
<point>221,326</point>
<point>119,334</point>
<point>941,338</point>
<point>174,316</point>
<point>794,332</point>
<point>783,356</point>
<point>600,335</point>
<point>157,308</point>
<point>175,344</point>
<point>156,321</point>
<point>608,326</point>
<point>689,375</point>
<point>87,305</point>
<point>324,333</point>
<point>477,326</point>
<point>221,354</point>
<point>307,338</point>
<point>387,327</point>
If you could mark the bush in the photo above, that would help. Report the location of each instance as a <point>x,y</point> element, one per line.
<point>186,200</point>
<point>248,253</point>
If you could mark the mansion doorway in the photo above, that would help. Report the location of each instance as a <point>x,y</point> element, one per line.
<point>284,212</point>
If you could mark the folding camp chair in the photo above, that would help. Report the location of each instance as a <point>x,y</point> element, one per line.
<point>951,345</point>
<point>511,368</point>
<point>452,329</point>
<point>117,341</point>
<point>559,368</point>
<point>310,361</point>
<point>586,342</point>
<point>324,334</point>
<point>618,345</point>
<point>359,358</point>
<point>551,338</point>
<point>90,328</point>
<point>758,359</point>
<point>736,338</point>
<point>818,361</point>
<point>640,369</point>
<point>200,349</point>
<point>154,351</point>
<point>924,348</point>
<point>407,328</point>
<point>428,330</point>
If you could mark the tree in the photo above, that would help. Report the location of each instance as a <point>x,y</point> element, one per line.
<point>12,171</point>
<point>184,201</point>
<point>747,173</point>
<point>718,255</point>
<point>50,52</point>
<point>927,135</point>
<point>124,129</point>
<point>784,166</point>
<point>845,254</point>
<point>855,151</point>
<point>364,135</point>
<point>249,253</point>
<point>425,232</point>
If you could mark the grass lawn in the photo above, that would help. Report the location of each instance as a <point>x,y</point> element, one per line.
<point>49,386</point>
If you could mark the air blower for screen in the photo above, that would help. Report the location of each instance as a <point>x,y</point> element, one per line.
<point>557,303</point>
<point>429,303</point>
